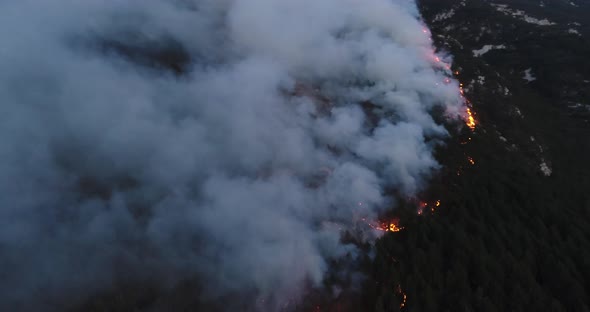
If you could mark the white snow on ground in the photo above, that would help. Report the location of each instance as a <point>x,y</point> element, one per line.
<point>503,90</point>
<point>481,80</point>
<point>573,4</point>
<point>573,31</point>
<point>487,48</point>
<point>469,86</point>
<point>528,76</point>
<point>518,112</point>
<point>545,168</point>
<point>579,106</point>
<point>444,15</point>
<point>521,14</point>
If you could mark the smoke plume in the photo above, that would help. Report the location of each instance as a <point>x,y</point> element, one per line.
<point>230,140</point>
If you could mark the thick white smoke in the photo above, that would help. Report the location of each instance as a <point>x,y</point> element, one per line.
<point>232,140</point>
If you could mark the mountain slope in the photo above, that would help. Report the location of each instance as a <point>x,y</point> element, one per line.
<point>513,230</point>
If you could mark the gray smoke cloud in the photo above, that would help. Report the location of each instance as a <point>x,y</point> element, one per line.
<point>225,139</point>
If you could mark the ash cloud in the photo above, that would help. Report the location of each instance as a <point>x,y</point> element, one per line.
<point>226,140</point>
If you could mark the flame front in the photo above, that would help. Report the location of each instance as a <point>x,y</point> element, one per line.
<point>470,119</point>
<point>385,226</point>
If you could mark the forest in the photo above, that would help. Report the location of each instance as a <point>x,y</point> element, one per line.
<point>506,237</point>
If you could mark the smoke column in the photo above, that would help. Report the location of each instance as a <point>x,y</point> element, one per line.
<point>230,140</point>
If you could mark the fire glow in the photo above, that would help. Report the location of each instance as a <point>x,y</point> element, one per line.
<point>403,295</point>
<point>470,119</point>
<point>424,205</point>
<point>385,226</point>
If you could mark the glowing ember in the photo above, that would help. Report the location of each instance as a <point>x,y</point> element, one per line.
<point>471,161</point>
<point>394,228</point>
<point>423,205</point>
<point>470,119</point>
<point>436,205</point>
<point>404,298</point>
<point>387,226</point>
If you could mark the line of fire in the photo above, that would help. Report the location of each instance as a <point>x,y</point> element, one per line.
<point>418,206</point>
<point>421,205</point>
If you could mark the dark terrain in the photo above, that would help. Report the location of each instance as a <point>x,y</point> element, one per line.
<point>507,237</point>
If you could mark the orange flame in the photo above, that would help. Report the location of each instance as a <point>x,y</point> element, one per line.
<point>470,119</point>
<point>386,226</point>
<point>432,206</point>
<point>436,205</point>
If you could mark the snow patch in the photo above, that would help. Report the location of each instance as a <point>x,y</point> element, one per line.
<point>574,31</point>
<point>444,15</point>
<point>503,8</point>
<point>528,76</point>
<point>487,48</point>
<point>448,28</point>
<point>579,107</point>
<point>545,168</point>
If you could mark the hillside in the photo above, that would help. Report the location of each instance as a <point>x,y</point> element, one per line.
<point>513,229</point>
